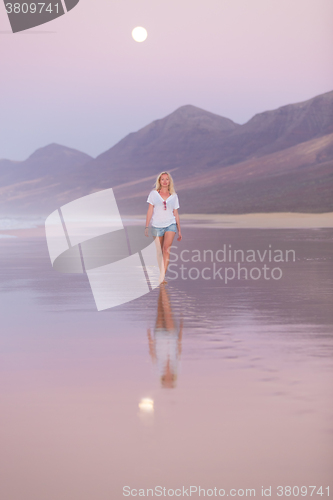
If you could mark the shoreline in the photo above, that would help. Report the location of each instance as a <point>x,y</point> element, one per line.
<point>275,220</point>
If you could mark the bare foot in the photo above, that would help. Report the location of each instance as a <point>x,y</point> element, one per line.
<point>162,280</point>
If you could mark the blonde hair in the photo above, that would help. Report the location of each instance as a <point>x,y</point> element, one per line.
<point>171,184</point>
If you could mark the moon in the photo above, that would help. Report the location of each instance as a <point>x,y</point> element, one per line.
<point>139,34</point>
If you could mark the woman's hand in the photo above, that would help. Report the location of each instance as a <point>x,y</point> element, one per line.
<point>146,231</point>
<point>179,236</point>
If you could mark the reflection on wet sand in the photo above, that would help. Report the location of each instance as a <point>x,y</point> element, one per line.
<point>165,345</point>
<point>83,415</point>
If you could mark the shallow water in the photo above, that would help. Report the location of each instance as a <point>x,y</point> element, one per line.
<point>238,375</point>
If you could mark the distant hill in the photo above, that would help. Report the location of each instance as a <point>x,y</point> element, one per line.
<point>186,136</point>
<point>192,137</point>
<point>296,179</point>
<point>280,160</point>
<point>284,127</point>
<point>50,161</point>
<point>34,185</point>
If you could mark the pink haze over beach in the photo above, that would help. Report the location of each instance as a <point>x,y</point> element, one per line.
<point>83,82</point>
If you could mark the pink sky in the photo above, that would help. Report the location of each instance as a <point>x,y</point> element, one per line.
<point>85,83</point>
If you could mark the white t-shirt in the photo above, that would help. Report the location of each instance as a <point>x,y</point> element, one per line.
<point>162,217</point>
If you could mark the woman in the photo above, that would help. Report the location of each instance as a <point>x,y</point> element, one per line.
<point>163,213</point>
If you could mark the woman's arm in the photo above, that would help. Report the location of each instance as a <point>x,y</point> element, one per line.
<point>149,216</point>
<point>176,214</point>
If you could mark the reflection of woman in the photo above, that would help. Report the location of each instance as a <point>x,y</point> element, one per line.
<point>163,213</point>
<point>165,347</point>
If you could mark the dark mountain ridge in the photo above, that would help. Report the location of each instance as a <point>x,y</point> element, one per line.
<point>196,146</point>
<point>192,137</point>
<point>284,127</point>
<point>52,161</point>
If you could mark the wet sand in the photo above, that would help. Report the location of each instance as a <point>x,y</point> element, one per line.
<point>278,220</point>
<point>239,374</point>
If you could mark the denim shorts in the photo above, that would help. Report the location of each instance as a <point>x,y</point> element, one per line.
<point>159,231</point>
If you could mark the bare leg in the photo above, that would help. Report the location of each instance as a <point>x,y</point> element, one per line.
<point>168,239</point>
<point>159,240</point>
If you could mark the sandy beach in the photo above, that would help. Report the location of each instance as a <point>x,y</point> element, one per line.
<point>283,220</point>
<point>277,220</point>
<point>237,372</point>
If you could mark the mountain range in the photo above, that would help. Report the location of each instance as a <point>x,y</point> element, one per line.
<point>280,160</point>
